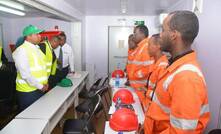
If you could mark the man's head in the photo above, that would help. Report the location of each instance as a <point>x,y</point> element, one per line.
<point>154,45</point>
<point>55,41</point>
<point>179,28</point>
<point>140,32</point>
<point>62,36</point>
<point>31,34</point>
<point>131,42</point>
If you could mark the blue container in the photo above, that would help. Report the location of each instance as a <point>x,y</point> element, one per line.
<point>117,81</point>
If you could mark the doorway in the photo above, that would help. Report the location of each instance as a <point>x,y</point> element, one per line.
<point>118,46</point>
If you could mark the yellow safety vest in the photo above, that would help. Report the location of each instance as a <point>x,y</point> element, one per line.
<point>37,67</point>
<point>51,67</point>
<point>0,56</point>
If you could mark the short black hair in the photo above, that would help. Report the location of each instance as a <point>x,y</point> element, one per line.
<point>143,29</point>
<point>62,34</point>
<point>156,38</point>
<point>56,38</point>
<point>185,22</point>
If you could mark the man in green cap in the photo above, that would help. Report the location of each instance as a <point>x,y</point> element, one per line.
<point>31,81</point>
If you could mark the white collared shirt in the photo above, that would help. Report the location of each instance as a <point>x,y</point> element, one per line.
<point>68,56</point>
<point>22,65</point>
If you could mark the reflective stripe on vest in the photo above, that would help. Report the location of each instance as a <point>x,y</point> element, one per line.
<point>187,124</point>
<point>166,109</point>
<point>163,107</point>
<point>140,74</point>
<point>37,68</point>
<point>42,79</point>
<point>186,67</point>
<point>184,124</point>
<point>163,64</point>
<point>138,81</point>
<point>151,85</point>
<point>144,63</point>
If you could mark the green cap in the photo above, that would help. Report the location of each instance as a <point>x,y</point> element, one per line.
<point>65,83</point>
<point>31,30</point>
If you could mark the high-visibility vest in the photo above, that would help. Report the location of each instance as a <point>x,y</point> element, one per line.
<point>158,69</point>
<point>37,68</point>
<point>0,56</point>
<point>51,66</point>
<point>180,102</point>
<point>140,66</point>
<point>130,57</point>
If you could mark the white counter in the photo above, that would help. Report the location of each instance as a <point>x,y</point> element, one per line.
<point>25,126</point>
<point>53,105</point>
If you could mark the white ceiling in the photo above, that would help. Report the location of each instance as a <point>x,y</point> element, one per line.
<point>104,7</point>
<point>29,12</point>
<point>113,7</point>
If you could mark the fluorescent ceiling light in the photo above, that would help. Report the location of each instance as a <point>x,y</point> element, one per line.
<point>124,10</point>
<point>12,4</point>
<point>123,6</point>
<point>12,11</point>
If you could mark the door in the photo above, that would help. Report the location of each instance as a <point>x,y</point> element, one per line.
<point>118,46</point>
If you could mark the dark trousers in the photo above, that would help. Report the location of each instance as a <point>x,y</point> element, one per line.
<point>7,89</point>
<point>25,99</point>
<point>60,74</point>
<point>7,82</point>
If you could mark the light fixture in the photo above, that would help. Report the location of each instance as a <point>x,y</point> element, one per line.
<point>12,11</point>
<point>123,6</point>
<point>12,4</point>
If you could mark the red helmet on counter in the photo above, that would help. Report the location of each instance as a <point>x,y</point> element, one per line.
<point>124,120</point>
<point>124,95</point>
<point>118,72</point>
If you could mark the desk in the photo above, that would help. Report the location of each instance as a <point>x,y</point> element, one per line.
<point>137,108</point>
<point>53,105</point>
<point>25,126</point>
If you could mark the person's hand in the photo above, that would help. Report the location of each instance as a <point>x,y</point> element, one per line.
<point>45,88</point>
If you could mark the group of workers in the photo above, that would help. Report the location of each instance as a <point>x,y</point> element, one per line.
<point>40,64</point>
<point>172,90</point>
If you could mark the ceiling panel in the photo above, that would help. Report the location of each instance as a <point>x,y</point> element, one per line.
<point>29,12</point>
<point>113,7</point>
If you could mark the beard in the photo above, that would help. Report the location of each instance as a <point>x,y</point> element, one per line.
<point>165,44</point>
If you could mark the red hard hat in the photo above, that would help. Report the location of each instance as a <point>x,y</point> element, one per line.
<point>124,120</point>
<point>125,96</point>
<point>49,34</point>
<point>118,72</point>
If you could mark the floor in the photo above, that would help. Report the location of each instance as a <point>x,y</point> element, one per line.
<point>99,119</point>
